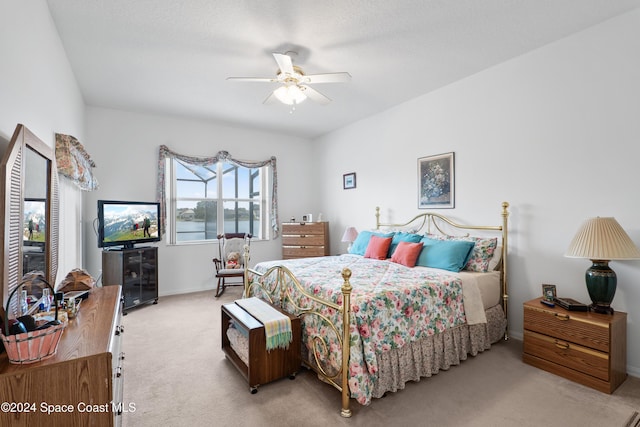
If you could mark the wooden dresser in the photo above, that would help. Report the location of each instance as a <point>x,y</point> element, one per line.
<point>588,348</point>
<point>79,383</point>
<point>305,239</point>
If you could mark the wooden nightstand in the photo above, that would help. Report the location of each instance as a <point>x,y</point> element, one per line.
<point>588,348</point>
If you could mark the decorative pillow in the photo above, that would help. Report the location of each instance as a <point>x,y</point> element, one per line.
<point>406,253</point>
<point>482,251</point>
<point>451,255</point>
<point>359,246</point>
<point>378,247</point>
<point>401,236</point>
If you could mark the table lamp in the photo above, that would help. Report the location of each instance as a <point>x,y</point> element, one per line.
<point>602,240</point>
<point>349,236</point>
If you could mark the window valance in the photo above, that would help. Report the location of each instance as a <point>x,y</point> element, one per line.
<point>74,162</point>
<point>221,156</point>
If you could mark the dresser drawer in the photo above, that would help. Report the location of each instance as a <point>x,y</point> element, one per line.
<point>300,228</point>
<point>567,354</point>
<point>303,240</point>
<point>567,327</point>
<point>302,252</point>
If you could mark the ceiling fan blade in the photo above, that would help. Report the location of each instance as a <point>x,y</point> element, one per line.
<point>314,95</point>
<point>284,63</point>
<point>327,78</point>
<point>252,79</point>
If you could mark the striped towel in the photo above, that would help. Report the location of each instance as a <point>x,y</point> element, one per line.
<point>277,326</point>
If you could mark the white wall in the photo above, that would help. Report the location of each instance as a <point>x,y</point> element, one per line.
<point>125,148</point>
<point>554,132</point>
<point>38,89</point>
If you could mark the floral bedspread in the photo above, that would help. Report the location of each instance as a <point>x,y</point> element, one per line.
<point>391,306</point>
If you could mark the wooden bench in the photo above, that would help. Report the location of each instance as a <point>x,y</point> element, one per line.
<point>264,366</point>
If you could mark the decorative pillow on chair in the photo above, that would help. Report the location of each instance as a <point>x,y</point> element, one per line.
<point>359,246</point>
<point>378,247</point>
<point>451,255</point>
<point>407,253</point>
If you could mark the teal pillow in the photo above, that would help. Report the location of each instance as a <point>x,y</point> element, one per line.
<point>359,246</point>
<point>450,255</point>
<point>401,236</point>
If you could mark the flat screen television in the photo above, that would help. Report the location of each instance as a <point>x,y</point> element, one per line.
<point>128,223</point>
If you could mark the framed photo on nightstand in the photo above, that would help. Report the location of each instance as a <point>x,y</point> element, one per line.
<point>548,292</point>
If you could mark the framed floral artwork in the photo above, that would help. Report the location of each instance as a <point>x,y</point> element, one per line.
<point>436,179</point>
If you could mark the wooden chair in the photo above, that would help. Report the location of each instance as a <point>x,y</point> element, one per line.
<point>227,243</point>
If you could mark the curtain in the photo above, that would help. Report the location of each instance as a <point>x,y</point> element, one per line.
<point>74,162</point>
<point>166,153</point>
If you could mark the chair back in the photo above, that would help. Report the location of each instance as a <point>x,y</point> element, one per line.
<point>233,242</point>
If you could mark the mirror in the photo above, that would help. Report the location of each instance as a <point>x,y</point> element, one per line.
<point>29,202</point>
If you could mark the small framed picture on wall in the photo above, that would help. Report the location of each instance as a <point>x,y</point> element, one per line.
<point>349,181</point>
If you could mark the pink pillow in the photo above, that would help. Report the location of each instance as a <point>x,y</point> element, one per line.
<point>378,247</point>
<point>407,253</point>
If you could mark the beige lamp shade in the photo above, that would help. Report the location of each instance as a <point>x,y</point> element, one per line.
<point>602,238</point>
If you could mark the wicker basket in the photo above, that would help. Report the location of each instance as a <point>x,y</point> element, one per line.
<point>31,346</point>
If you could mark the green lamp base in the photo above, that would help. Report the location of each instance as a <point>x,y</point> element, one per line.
<point>601,285</point>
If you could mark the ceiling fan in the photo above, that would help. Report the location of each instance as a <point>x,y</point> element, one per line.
<point>295,83</point>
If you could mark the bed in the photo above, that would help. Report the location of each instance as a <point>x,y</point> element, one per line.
<point>407,319</point>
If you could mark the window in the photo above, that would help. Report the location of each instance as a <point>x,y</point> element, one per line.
<point>216,195</point>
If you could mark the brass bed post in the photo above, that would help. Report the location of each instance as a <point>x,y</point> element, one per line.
<point>346,341</point>
<point>505,288</point>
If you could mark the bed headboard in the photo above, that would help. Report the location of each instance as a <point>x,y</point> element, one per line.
<point>431,222</point>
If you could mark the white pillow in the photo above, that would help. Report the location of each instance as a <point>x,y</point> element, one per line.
<point>494,262</point>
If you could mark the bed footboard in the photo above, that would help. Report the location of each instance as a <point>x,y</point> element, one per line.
<point>280,287</point>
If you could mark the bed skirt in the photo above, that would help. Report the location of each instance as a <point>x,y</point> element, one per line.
<point>427,356</point>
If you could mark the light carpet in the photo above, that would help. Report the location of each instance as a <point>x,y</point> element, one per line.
<point>175,374</point>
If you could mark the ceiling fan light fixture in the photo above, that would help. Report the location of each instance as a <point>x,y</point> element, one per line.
<point>289,94</point>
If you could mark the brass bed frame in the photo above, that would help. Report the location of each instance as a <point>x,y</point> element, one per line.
<point>280,294</point>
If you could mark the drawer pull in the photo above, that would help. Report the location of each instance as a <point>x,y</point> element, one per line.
<point>303,235</point>
<point>119,372</point>
<point>122,355</point>
<point>562,345</point>
<point>561,316</point>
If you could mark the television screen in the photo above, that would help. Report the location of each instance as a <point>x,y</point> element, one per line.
<point>127,223</point>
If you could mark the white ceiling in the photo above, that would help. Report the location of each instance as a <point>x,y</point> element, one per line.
<point>173,56</point>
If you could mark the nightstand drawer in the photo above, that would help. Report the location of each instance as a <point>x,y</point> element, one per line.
<point>568,327</point>
<point>567,354</point>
